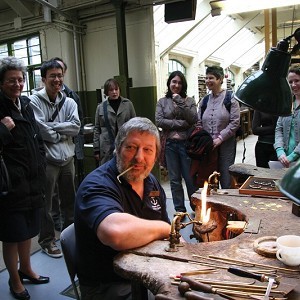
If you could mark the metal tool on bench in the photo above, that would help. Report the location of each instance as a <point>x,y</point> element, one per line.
<point>259,277</point>
<point>198,286</point>
<point>228,291</point>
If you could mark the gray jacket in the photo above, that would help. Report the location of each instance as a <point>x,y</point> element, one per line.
<point>217,120</point>
<point>282,131</point>
<point>176,119</point>
<point>57,135</point>
<point>102,144</point>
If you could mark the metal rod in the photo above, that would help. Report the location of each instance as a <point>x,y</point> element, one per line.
<point>246,264</point>
<point>238,283</point>
<point>251,264</point>
<point>121,174</point>
<point>258,289</point>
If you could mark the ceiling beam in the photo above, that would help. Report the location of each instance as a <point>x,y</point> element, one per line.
<point>19,7</point>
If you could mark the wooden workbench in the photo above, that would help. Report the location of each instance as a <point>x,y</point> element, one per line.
<point>151,265</point>
<point>240,172</point>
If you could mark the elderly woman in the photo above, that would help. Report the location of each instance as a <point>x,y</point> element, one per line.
<point>23,153</point>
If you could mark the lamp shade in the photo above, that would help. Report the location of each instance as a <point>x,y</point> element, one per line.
<point>268,90</point>
<point>289,184</point>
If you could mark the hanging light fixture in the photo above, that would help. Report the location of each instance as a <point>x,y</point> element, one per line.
<point>289,184</point>
<point>268,90</point>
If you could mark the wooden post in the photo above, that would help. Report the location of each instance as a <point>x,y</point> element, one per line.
<point>267,31</point>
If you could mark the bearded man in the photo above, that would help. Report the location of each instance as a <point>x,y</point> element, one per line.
<point>119,206</point>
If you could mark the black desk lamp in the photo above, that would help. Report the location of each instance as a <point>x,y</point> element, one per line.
<point>267,90</point>
<point>289,186</point>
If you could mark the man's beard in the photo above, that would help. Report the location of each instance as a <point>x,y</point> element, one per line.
<point>129,176</point>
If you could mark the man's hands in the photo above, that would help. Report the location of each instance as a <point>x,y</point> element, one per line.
<point>8,122</point>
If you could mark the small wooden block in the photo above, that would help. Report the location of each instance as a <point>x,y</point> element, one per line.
<point>253,226</point>
<point>296,209</point>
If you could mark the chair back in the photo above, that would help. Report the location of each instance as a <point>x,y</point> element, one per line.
<point>68,246</point>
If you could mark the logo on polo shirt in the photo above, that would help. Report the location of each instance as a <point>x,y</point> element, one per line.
<point>155,203</point>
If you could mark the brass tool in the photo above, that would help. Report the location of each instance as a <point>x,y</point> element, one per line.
<point>252,264</point>
<point>176,225</point>
<point>210,258</point>
<point>201,287</point>
<point>224,282</point>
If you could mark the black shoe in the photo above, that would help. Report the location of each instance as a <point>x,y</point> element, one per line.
<point>40,280</point>
<point>21,296</point>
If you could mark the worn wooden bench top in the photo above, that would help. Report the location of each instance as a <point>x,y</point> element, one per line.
<point>151,265</point>
<point>243,171</point>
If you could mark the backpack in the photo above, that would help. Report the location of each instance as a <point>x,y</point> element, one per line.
<point>227,104</point>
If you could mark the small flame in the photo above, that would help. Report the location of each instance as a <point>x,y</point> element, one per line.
<point>205,214</point>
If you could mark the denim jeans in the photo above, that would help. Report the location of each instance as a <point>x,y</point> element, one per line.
<point>178,165</point>
<point>64,176</point>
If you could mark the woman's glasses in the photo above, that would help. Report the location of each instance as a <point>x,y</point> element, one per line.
<point>14,81</point>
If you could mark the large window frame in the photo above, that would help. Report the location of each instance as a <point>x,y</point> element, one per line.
<point>28,49</point>
<point>175,65</point>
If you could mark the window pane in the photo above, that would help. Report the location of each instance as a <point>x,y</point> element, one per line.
<point>37,79</point>
<point>34,55</point>
<point>19,45</point>
<point>33,41</point>
<point>21,53</point>
<point>35,60</point>
<point>3,51</point>
<point>175,65</point>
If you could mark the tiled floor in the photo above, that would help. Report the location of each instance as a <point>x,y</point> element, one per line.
<point>55,267</point>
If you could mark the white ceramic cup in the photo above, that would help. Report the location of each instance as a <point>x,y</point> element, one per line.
<point>288,249</point>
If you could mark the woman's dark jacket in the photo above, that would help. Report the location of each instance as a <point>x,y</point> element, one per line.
<point>24,155</point>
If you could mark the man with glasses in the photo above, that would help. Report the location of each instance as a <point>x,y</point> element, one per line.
<point>57,215</point>
<point>58,120</point>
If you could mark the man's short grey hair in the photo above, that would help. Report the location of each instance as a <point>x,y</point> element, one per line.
<point>138,124</point>
<point>11,63</point>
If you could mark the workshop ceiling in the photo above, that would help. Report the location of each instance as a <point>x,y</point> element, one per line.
<point>213,37</point>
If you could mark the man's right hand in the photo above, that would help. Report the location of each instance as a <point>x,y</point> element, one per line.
<point>8,122</point>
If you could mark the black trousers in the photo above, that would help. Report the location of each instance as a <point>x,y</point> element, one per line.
<point>264,153</point>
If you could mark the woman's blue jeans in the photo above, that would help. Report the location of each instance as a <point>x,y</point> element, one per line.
<point>178,165</point>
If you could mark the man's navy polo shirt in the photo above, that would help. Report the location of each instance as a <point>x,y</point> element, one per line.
<point>99,195</point>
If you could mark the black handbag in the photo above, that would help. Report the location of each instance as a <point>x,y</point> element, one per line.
<point>4,177</point>
<point>199,143</point>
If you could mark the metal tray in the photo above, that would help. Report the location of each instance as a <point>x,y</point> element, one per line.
<point>260,186</point>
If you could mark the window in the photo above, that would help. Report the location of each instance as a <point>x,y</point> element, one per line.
<point>29,51</point>
<point>175,65</point>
